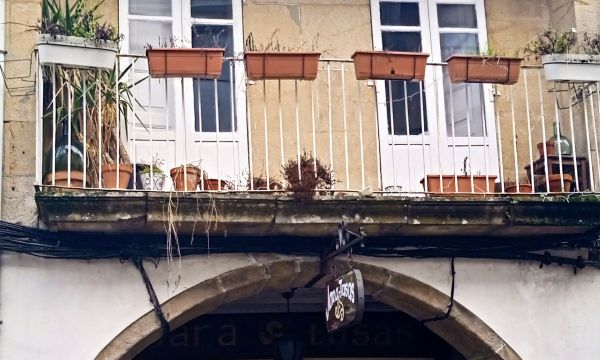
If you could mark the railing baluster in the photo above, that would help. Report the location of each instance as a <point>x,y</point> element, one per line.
<point>469,137</point>
<point>266,135</point>
<point>236,170</point>
<point>453,142</point>
<point>200,124</point>
<point>406,120</point>
<point>499,139</point>
<point>297,129</point>
<point>573,143</point>
<point>69,125</point>
<point>422,113</point>
<point>329,110</point>
<point>544,138</point>
<point>249,134</point>
<point>99,89</point>
<point>312,112</point>
<point>360,136</point>
<point>587,135</point>
<point>557,121</point>
<point>393,135</point>
<point>514,138</point>
<point>280,111</point>
<point>84,109</point>
<point>54,124</point>
<point>217,130</point>
<point>529,128</point>
<point>595,128</point>
<point>344,116</point>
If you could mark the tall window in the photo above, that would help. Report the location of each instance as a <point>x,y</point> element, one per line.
<point>187,23</point>
<point>441,28</point>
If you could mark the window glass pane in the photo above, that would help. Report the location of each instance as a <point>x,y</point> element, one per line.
<point>401,41</point>
<point>400,100</point>
<point>467,44</point>
<point>142,33</point>
<point>403,14</point>
<point>462,16</point>
<point>205,105</point>
<point>150,7</point>
<point>211,9</point>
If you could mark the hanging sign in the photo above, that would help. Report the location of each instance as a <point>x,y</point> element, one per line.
<point>345,301</point>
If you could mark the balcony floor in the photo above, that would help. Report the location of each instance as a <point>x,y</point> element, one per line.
<point>243,214</point>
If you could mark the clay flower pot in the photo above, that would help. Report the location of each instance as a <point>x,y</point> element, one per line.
<point>61,178</point>
<point>555,185</point>
<point>213,184</point>
<point>185,178</point>
<point>481,183</point>
<point>484,69</point>
<point>175,62</point>
<point>282,65</point>
<point>550,146</point>
<point>389,65</point>
<point>512,188</point>
<point>109,176</point>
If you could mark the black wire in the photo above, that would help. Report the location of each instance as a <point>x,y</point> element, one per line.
<point>451,304</point>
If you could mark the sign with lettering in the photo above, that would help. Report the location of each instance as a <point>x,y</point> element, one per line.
<point>345,301</point>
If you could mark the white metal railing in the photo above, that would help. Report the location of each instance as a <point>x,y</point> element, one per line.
<point>383,137</point>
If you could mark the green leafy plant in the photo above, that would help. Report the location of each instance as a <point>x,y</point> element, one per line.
<point>154,168</point>
<point>552,42</point>
<point>75,20</point>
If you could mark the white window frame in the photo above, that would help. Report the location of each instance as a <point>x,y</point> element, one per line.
<point>181,27</point>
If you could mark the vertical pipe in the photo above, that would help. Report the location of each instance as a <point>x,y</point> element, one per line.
<point>53,124</point>
<point>557,121</point>
<point>360,137</point>
<point>407,136</point>
<point>589,148</point>
<point>344,115</point>
<point>576,171</point>
<point>529,142</point>
<point>84,107</point>
<point>543,119</point>
<point>297,129</point>
<point>423,135</point>
<point>329,110</point>
<point>218,129</point>
<point>393,135</point>
<point>514,133</point>
<point>266,134</point>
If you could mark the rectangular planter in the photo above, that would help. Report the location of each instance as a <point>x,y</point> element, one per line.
<point>282,65</point>
<point>76,52</point>
<point>203,63</point>
<point>571,67</point>
<point>482,69</point>
<point>389,65</point>
<point>463,181</point>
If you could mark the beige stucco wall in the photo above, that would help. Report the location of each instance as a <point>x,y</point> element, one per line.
<point>336,28</point>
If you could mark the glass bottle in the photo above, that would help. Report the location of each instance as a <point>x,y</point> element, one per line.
<point>565,144</point>
<point>61,154</point>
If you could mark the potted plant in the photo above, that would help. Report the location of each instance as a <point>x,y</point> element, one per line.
<point>556,183</point>
<point>205,60</point>
<point>489,67</point>
<point>513,188</point>
<point>74,37</point>
<point>389,65</point>
<point>303,179</point>
<point>260,183</point>
<point>460,183</point>
<point>185,177</point>
<point>152,176</point>
<point>550,148</point>
<point>564,58</point>
<point>274,61</point>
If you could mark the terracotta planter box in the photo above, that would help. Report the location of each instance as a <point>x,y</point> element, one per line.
<point>213,184</point>
<point>481,184</point>
<point>389,65</point>
<point>185,175</point>
<point>281,65</point>
<point>109,176</point>
<point>512,188</point>
<point>203,63</point>
<point>555,184</point>
<point>61,178</point>
<point>481,69</point>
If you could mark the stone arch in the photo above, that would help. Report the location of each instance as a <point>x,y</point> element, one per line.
<point>463,330</point>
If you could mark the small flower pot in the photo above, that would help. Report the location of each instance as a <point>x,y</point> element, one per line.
<point>154,182</point>
<point>61,178</point>
<point>109,175</point>
<point>203,63</point>
<point>482,69</point>
<point>481,184</point>
<point>282,65</point>
<point>550,146</point>
<point>213,184</point>
<point>389,65</point>
<point>185,178</point>
<point>512,188</point>
<point>555,183</point>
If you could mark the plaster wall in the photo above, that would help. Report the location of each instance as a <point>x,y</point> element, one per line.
<point>72,309</point>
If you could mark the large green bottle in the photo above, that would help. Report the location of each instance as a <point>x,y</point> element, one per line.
<point>565,144</point>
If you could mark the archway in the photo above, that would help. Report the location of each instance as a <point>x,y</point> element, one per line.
<point>468,334</point>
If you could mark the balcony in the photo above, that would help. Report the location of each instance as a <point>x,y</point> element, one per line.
<point>406,158</point>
